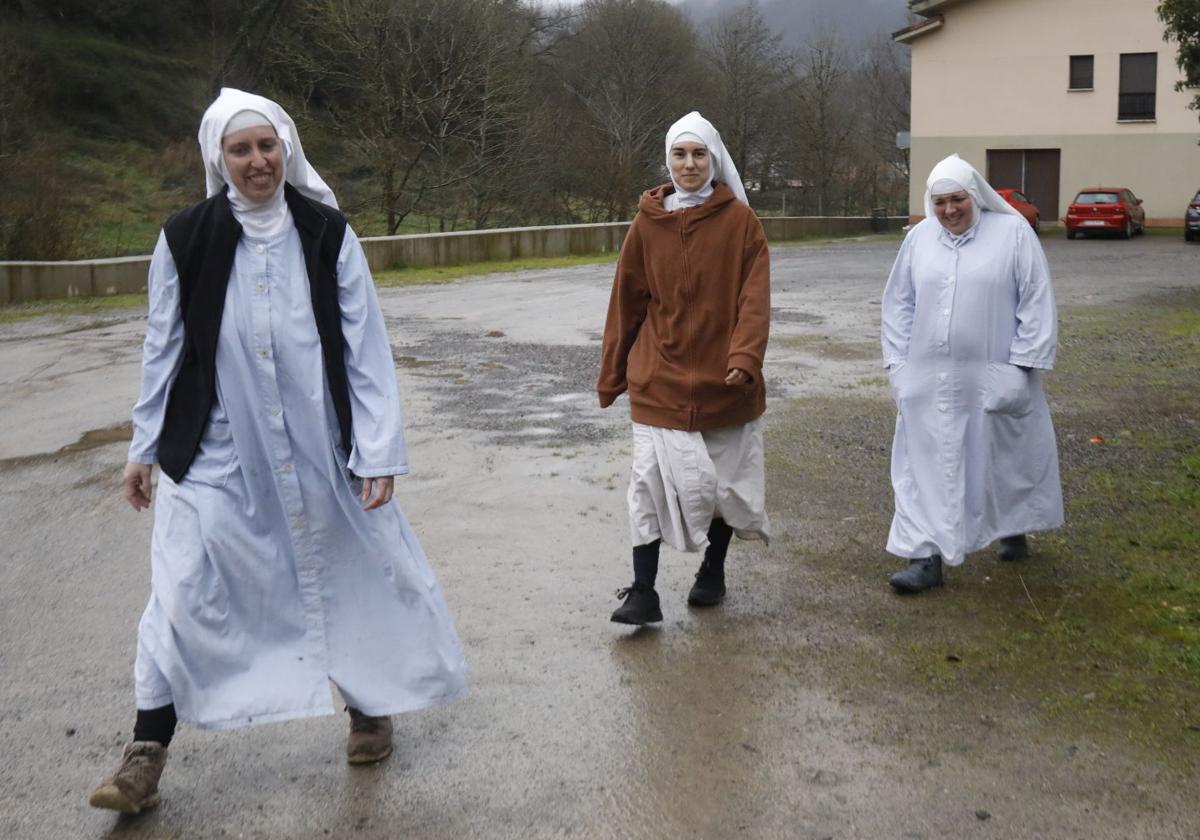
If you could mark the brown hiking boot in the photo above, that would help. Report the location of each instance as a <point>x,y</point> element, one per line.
<point>370,738</point>
<point>133,788</point>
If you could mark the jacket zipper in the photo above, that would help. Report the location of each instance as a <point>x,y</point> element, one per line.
<point>687,286</point>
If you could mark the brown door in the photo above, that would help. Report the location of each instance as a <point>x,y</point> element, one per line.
<point>1006,168</point>
<point>1041,181</point>
<point>1034,172</point>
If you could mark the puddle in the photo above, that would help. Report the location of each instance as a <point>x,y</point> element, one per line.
<point>413,361</point>
<point>795,316</point>
<point>96,438</point>
<point>93,439</point>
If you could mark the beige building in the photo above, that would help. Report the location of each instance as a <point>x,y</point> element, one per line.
<point>1051,96</point>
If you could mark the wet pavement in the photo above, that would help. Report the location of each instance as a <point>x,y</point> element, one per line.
<point>719,724</point>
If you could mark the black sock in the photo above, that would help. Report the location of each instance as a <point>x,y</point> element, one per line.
<point>155,724</point>
<point>645,563</point>
<point>719,535</point>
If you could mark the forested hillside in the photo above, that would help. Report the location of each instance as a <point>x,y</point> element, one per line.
<point>427,114</point>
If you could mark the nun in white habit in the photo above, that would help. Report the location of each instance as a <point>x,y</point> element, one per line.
<point>686,333</point>
<point>969,324</point>
<point>279,562</point>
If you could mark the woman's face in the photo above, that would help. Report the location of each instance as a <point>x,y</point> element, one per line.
<point>254,160</point>
<point>691,166</point>
<point>953,210</point>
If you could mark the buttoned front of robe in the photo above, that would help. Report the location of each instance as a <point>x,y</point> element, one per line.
<point>974,456</point>
<point>268,578</point>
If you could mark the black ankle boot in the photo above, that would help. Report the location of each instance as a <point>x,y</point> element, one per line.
<point>709,588</point>
<point>1013,548</point>
<point>640,607</point>
<point>922,573</point>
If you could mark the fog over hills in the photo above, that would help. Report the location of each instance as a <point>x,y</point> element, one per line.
<point>799,20</point>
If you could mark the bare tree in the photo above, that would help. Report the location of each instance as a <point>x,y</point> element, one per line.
<point>883,83</point>
<point>630,65</point>
<point>752,72</point>
<point>421,89</point>
<point>822,119</point>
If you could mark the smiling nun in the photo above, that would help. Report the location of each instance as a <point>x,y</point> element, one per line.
<point>685,336</point>
<point>269,401</point>
<point>969,323</point>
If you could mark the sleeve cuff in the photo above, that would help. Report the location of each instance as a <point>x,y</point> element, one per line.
<point>1026,361</point>
<point>608,397</point>
<point>380,472</point>
<point>746,362</point>
<point>142,457</point>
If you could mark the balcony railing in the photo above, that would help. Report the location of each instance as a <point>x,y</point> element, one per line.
<point>1135,106</point>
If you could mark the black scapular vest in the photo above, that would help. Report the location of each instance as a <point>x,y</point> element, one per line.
<point>203,239</point>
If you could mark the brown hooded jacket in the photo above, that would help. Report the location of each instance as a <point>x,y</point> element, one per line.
<point>691,300</point>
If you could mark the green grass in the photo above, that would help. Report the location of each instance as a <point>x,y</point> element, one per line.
<point>430,275</point>
<point>69,306</point>
<point>1098,633</point>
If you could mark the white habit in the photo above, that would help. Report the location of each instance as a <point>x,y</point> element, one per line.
<point>681,481</point>
<point>268,578</point>
<point>974,456</point>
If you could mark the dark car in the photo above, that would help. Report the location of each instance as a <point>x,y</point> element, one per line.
<point>1105,210</point>
<point>1191,219</point>
<point>1022,205</point>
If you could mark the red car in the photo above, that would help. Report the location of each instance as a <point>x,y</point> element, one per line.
<point>1105,209</point>
<point>1024,206</point>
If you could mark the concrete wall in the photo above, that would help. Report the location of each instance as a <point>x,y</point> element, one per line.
<point>996,76</point>
<point>22,282</point>
<point>497,244</point>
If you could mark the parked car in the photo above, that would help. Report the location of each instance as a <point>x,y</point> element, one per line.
<point>1023,205</point>
<point>1105,210</point>
<point>1191,219</point>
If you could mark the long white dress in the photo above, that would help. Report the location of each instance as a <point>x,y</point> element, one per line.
<point>680,481</point>
<point>268,578</point>
<point>974,456</point>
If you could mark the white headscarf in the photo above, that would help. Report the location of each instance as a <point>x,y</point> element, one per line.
<point>696,129</point>
<point>953,174</point>
<point>234,110</point>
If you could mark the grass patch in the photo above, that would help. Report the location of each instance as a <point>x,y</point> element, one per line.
<point>1096,635</point>
<point>825,347</point>
<point>431,275</point>
<point>69,306</point>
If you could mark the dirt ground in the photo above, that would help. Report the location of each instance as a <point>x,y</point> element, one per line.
<point>1058,697</point>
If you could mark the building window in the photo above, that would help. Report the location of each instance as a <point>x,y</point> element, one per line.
<point>1135,100</point>
<point>1081,72</point>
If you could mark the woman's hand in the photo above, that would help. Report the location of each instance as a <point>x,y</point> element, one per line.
<point>737,376</point>
<point>135,485</point>
<point>377,491</point>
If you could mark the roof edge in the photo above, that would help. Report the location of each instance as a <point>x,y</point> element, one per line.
<point>929,8</point>
<point>916,30</point>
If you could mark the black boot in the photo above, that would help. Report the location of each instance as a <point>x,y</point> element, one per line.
<point>709,588</point>
<point>640,607</point>
<point>1013,548</point>
<point>922,573</point>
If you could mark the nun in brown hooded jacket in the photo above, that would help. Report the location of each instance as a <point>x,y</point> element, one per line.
<point>685,337</point>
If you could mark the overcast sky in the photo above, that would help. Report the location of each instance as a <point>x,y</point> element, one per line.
<point>796,20</point>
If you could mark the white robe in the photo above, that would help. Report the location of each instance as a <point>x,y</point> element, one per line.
<point>268,578</point>
<point>680,481</point>
<point>974,456</point>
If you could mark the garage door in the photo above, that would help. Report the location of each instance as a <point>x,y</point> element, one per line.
<point>1034,172</point>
